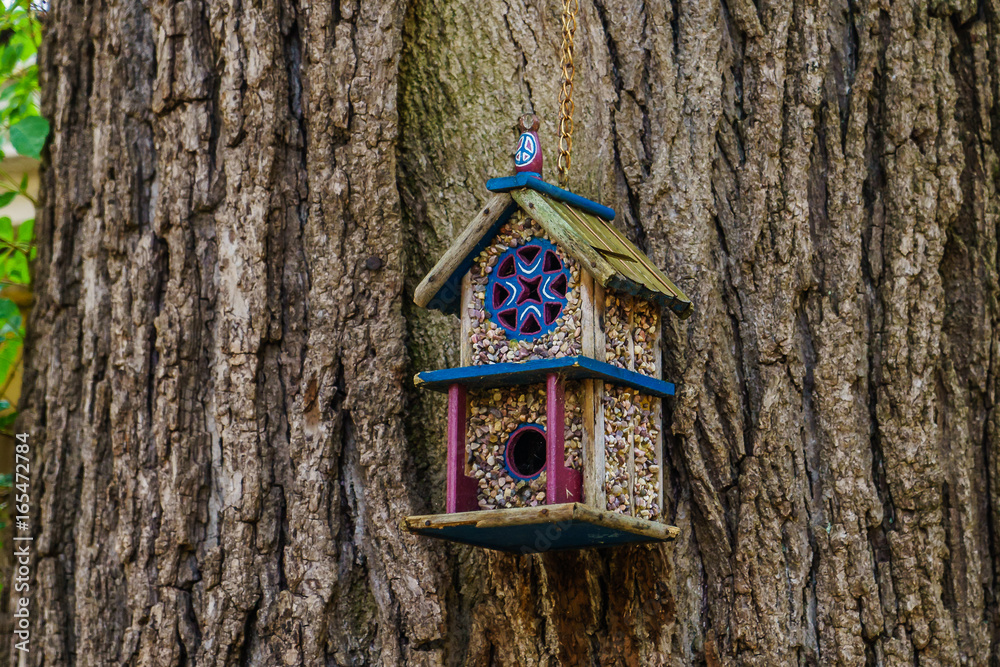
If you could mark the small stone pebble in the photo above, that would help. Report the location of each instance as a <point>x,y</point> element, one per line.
<point>646,484</point>
<point>646,330</point>
<point>616,329</point>
<point>617,426</point>
<point>573,438</point>
<point>632,327</point>
<point>629,421</point>
<point>493,415</point>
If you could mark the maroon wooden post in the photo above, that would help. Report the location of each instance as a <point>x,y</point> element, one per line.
<point>461,492</point>
<point>562,484</point>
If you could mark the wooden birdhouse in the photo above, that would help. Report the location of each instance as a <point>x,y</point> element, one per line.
<point>554,416</point>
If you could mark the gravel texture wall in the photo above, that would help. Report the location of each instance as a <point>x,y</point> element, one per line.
<point>631,330</point>
<point>493,416</point>
<point>490,342</point>
<point>630,423</point>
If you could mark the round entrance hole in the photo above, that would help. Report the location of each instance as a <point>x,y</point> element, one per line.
<point>525,452</point>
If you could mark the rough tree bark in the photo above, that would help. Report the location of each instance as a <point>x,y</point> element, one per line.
<point>240,197</point>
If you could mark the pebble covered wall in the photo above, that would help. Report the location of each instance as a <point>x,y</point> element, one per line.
<point>630,423</point>
<point>631,327</point>
<point>490,341</point>
<point>494,414</point>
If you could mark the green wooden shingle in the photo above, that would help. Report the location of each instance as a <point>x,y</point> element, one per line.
<point>603,251</point>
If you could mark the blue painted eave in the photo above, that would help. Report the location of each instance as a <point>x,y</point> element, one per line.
<point>533,372</point>
<point>533,181</point>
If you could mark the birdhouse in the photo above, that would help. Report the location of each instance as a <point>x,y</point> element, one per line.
<point>554,416</point>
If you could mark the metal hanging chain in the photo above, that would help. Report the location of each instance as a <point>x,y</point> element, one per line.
<point>570,9</point>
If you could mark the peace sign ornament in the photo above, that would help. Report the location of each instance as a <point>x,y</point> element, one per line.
<point>527,148</point>
<point>528,154</point>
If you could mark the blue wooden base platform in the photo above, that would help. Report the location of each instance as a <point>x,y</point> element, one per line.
<point>529,530</point>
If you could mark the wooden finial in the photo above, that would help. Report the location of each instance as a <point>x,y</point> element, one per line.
<point>529,122</point>
<point>528,154</point>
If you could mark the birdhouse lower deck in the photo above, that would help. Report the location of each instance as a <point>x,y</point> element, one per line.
<point>553,431</point>
<point>529,530</point>
<point>516,452</point>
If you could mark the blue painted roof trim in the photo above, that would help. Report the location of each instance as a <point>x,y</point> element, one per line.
<point>449,298</point>
<point>530,179</point>
<point>531,372</point>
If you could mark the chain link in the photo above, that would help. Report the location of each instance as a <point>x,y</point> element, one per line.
<point>570,9</point>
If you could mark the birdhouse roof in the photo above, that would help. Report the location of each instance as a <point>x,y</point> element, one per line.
<point>579,226</point>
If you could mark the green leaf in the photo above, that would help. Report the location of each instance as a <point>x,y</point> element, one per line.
<point>26,231</point>
<point>24,183</point>
<point>17,269</point>
<point>5,367</point>
<point>7,364</point>
<point>6,230</point>
<point>7,197</point>
<point>10,318</point>
<point>9,311</point>
<point>10,55</point>
<point>10,331</point>
<point>28,135</point>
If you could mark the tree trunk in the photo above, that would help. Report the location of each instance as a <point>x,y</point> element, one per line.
<point>240,198</point>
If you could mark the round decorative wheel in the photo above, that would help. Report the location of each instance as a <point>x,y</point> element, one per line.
<point>526,292</point>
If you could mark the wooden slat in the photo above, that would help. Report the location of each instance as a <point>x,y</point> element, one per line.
<point>538,207</point>
<point>635,273</point>
<point>460,248</point>
<point>631,461</point>
<point>465,345</point>
<point>622,522</point>
<point>616,249</point>
<point>513,516</point>
<point>587,322</point>
<point>630,307</point>
<point>600,339</point>
<point>593,435</point>
<point>589,229</point>
<point>657,281</point>
<point>593,408</point>
<point>658,445</point>
<point>658,415</point>
<point>597,233</point>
